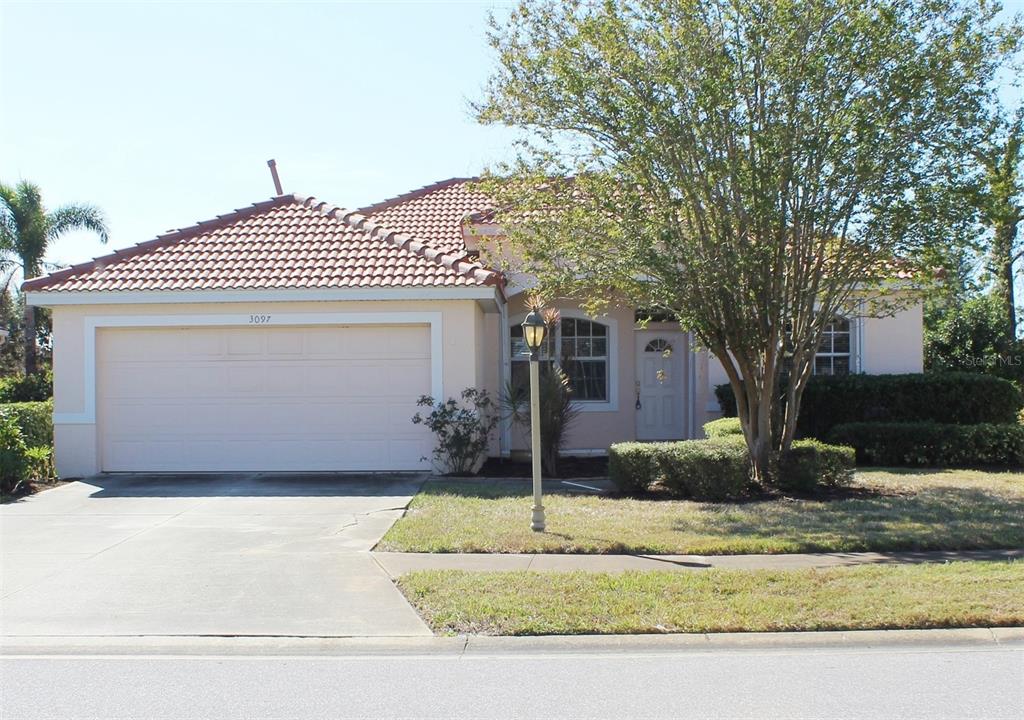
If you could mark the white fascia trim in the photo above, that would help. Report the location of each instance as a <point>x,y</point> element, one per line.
<point>92,323</point>
<point>44,298</point>
<point>612,404</point>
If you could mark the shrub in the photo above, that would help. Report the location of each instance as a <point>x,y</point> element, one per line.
<point>39,464</point>
<point>35,420</point>
<point>723,427</point>
<point>810,464</point>
<point>14,460</point>
<point>719,469</point>
<point>631,466</point>
<point>705,470</point>
<point>953,398</point>
<point>933,444</point>
<point>26,388</point>
<point>463,433</point>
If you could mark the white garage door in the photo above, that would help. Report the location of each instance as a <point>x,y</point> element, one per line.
<point>270,398</point>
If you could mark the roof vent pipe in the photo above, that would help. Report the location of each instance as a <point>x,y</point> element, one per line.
<point>272,164</point>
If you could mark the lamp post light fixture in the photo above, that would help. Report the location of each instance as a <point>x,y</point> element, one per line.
<point>533,333</point>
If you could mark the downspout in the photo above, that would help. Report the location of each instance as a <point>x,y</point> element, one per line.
<point>691,395</point>
<point>860,338</point>
<point>504,423</point>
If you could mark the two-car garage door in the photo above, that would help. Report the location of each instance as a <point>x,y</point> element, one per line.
<point>262,398</point>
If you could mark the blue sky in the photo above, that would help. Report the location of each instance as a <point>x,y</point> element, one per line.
<point>164,114</point>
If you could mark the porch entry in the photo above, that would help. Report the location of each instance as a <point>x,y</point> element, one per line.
<point>662,359</point>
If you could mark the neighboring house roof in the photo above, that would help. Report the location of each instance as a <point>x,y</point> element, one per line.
<point>287,242</point>
<point>434,213</point>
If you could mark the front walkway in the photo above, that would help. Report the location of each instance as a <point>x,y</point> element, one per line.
<point>188,555</point>
<point>397,564</point>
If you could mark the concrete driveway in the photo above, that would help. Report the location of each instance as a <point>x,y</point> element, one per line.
<point>252,554</point>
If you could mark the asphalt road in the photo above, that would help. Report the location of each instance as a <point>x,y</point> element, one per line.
<point>934,681</point>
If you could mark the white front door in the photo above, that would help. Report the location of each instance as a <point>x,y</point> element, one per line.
<point>661,361</point>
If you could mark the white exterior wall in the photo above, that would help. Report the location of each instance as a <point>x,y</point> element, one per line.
<point>893,344</point>
<point>75,438</point>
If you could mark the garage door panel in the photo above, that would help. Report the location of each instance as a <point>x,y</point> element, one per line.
<point>247,343</point>
<point>144,345</point>
<point>285,343</point>
<point>262,398</point>
<point>152,454</point>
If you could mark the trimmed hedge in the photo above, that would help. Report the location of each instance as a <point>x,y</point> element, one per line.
<point>719,469</point>
<point>933,444</point>
<point>26,388</point>
<point>812,463</point>
<point>956,398</point>
<point>35,420</point>
<point>705,470</point>
<point>723,427</point>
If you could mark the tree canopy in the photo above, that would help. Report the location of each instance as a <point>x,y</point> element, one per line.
<point>750,166</point>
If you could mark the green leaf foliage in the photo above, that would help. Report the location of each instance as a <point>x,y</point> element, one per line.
<point>35,419</point>
<point>957,398</point>
<point>718,470</point>
<point>27,388</point>
<point>723,427</point>
<point>933,444</point>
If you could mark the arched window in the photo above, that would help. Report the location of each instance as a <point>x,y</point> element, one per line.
<point>833,356</point>
<point>579,346</point>
<point>659,345</point>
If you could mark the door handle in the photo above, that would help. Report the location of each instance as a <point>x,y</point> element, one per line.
<point>639,405</point>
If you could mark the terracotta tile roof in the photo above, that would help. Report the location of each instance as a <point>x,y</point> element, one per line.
<point>286,242</point>
<point>433,213</point>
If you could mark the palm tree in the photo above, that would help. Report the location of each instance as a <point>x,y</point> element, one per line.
<point>27,229</point>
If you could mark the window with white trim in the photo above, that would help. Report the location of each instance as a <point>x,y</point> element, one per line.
<point>581,349</point>
<point>833,356</point>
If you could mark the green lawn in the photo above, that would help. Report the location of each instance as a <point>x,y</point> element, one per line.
<point>885,510</point>
<point>978,594</point>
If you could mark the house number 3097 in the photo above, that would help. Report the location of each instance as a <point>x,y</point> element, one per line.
<point>259,319</point>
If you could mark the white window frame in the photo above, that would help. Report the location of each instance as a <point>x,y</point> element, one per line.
<point>612,403</point>
<point>850,354</point>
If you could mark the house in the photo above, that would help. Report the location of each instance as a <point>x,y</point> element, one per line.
<point>294,335</point>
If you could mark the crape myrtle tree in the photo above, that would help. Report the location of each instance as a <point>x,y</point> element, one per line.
<point>748,166</point>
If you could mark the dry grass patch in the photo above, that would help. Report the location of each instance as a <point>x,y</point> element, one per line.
<point>979,594</point>
<point>884,510</point>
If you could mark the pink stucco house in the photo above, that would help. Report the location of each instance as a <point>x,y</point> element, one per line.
<point>295,335</point>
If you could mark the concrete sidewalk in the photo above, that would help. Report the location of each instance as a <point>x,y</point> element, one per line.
<point>396,564</point>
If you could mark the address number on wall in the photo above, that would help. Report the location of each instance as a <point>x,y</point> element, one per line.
<point>259,319</point>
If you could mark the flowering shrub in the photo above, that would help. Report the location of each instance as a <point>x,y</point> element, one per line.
<point>463,430</point>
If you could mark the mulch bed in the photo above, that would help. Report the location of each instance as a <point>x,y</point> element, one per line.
<point>29,489</point>
<point>568,467</point>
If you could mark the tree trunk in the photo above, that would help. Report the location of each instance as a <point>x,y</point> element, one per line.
<point>756,411</point>
<point>30,339</point>
<point>1002,265</point>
